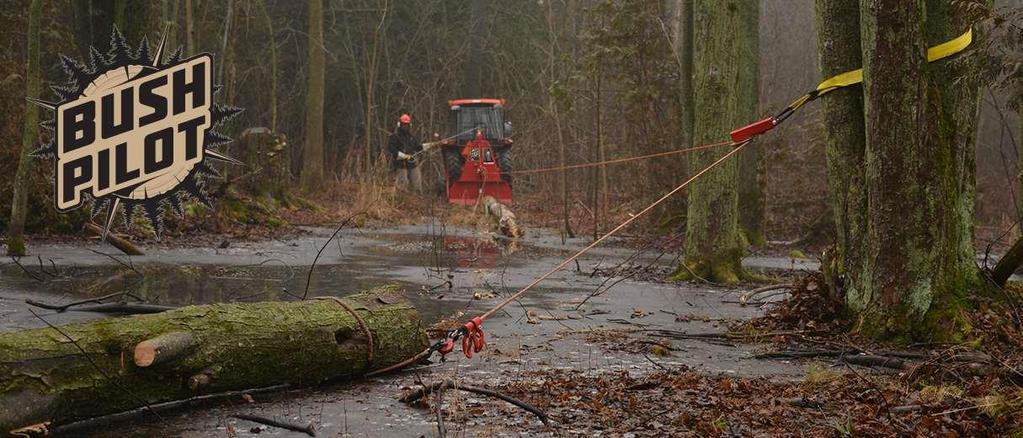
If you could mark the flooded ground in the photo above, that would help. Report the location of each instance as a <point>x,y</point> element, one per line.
<point>549,329</point>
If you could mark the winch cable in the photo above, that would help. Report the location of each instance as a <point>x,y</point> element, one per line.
<point>471,333</point>
<point>620,160</point>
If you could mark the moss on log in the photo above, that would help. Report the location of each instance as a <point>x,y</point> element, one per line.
<point>46,377</point>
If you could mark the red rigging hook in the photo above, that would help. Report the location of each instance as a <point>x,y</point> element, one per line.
<point>474,339</point>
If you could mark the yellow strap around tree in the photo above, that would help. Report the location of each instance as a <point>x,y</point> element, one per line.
<point>940,51</point>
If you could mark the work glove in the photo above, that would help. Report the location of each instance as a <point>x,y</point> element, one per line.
<point>404,156</point>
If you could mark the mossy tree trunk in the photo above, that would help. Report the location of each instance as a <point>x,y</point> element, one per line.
<point>918,257</point>
<point>312,152</point>
<point>713,243</point>
<point>197,350</point>
<point>29,137</point>
<point>751,167</point>
<point>839,51</point>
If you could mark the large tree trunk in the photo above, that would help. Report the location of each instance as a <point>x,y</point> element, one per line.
<point>713,244</point>
<point>29,137</point>
<point>918,256</point>
<point>312,154</point>
<point>197,350</point>
<point>839,51</point>
<point>751,167</point>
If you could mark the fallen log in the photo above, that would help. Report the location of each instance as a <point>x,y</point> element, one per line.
<point>503,217</point>
<point>79,371</point>
<point>118,242</point>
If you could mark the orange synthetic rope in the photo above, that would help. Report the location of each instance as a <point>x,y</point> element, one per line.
<point>628,221</point>
<point>427,352</point>
<point>619,160</point>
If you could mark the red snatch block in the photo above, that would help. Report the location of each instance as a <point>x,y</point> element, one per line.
<point>749,131</point>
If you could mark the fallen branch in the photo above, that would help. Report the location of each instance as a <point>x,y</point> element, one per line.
<point>307,429</point>
<point>64,307</point>
<point>418,394</point>
<point>744,298</point>
<point>105,420</point>
<point>1008,264</point>
<point>109,308</point>
<point>118,242</point>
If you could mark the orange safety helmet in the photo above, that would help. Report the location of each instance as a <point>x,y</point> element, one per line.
<point>405,118</point>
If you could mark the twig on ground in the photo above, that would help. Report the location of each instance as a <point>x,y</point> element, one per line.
<point>441,430</point>
<point>309,277</point>
<point>307,429</point>
<point>443,384</point>
<point>744,298</point>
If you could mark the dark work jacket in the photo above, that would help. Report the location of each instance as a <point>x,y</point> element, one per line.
<point>402,140</point>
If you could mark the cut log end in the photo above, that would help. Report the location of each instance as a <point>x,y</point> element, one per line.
<point>163,348</point>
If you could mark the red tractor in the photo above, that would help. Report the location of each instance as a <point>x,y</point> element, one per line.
<point>477,158</point>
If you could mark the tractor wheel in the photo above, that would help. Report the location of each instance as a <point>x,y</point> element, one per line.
<point>453,162</point>
<point>504,162</point>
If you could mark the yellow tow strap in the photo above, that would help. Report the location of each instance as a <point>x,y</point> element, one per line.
<point>940,51</point>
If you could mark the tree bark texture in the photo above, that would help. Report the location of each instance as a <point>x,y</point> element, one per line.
<point>918,260</point>
<point>839,51</point>
<point>29,137</point>
<point>751,168</point>
<point>208,349</point>
<point>713,243</point>
<point>312,154</point>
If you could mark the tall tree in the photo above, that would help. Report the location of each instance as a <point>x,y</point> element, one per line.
<point>751,168</point>
<point>29,137</point>
<point>918,262</point>
<point>713,244</point>
<point>473,68</point>
<point>839,51</point>
<point>312,154</point>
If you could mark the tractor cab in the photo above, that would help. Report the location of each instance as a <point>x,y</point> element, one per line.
<point>477,157</point>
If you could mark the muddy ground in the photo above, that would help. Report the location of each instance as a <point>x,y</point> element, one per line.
<point>549,337</point>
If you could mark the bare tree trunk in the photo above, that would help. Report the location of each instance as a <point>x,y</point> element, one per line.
<point>312,154</point>
<point>751,168</point>
<point>473,66</point>
<point>29,137</point>
<point>839,51</point>
<point>189,28</point>
<point>713,243</point>
<point>918,260</point>
<point>272,37</point>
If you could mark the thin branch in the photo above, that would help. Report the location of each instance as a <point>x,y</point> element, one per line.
<point>443,384</point>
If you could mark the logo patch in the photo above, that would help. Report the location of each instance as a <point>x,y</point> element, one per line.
<point>135,130</point>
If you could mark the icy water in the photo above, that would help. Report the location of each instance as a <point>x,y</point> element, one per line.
<point>543,331</point>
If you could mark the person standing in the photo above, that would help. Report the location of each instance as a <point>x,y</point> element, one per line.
<point>404,148</point>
